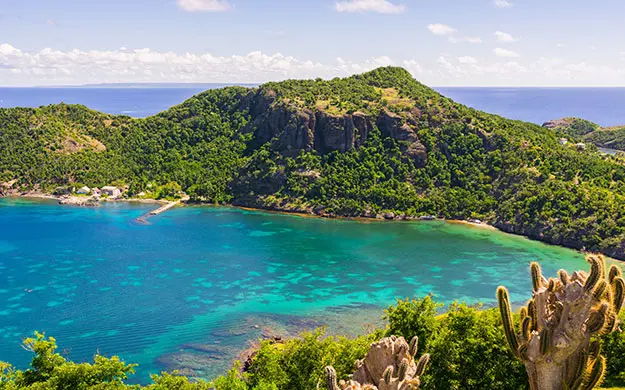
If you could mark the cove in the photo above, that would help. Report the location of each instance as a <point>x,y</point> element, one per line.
<point>189,290</point>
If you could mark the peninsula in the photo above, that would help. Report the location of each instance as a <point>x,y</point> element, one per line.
<point>379,143</point>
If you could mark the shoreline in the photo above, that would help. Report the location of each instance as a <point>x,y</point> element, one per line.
<point>300,213</point>
<point>484,225</point>
<point>42,196</point>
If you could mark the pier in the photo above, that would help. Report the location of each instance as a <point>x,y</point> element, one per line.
<point>143,219</point>
<point>164,208</point>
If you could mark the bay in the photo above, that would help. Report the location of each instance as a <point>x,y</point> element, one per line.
<point>189,290</point>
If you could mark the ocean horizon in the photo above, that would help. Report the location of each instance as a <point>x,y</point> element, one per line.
<point>601,105</point>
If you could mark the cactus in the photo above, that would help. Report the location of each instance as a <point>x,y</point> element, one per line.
<point>594,376</point>
<point>564,277</point>
<point>331,378</point>
<point>556,329</point>
<point>537,275</point>
<point>506,316</point>
<point>389,356</point>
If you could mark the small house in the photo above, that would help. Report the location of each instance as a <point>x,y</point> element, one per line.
<point>580,146</point>
<point>113,192</point>
<point>62,191</point>
<point>84,191</point>
<point>564,141</point>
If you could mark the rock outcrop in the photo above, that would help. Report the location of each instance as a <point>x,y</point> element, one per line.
<point>291,129</point>
<point>80,201</point>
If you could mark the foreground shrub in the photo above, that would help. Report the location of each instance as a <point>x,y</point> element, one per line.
<point>300,363</point>
<point>470,352</point>
<point>413,317</point>
<point>467,347</point>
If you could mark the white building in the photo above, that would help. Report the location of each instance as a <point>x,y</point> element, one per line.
<point>84,191</point>
<point>112,191</point>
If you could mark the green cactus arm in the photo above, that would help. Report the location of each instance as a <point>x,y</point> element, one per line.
<point>537,275</point>
<point>600,289</point>
<point>618,293</point>
<point>596,320</point>
<point>525,328</point>
<point>403,370</point>
<point>531,312</point>
<point>387,376</point>
<point>581,363</point>
<point>523,312</point>
<point>594,350</point>
<point>414,346</point>
<point>615,272</point>
<point>331,382</point>
<point>422,364</point>
<point>506,316</point>
<point>595,374</point>
<point>595,273</point>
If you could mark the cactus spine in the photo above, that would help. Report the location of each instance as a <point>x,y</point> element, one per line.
<point>554,341</point>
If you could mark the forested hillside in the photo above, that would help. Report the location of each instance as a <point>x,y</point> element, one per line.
<point>586,131</point>
<point>379,143</point>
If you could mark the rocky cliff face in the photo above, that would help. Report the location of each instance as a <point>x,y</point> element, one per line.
<point>542,232</point>
<point>290,129</point>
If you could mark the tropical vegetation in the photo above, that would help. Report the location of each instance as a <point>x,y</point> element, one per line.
<point>376,144</point>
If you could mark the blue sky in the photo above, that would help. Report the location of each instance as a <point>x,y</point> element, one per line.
<point>442,42</point>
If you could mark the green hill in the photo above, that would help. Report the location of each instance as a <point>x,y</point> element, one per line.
<point>583,130</point>
<point>374,144</point>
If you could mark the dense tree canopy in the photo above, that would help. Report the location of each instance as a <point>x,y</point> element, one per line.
<point>304,146</point>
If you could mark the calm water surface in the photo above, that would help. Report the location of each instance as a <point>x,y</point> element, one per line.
<point>538,105</point>
<point>189,290</point>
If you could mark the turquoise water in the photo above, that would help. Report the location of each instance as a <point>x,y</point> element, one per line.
<point>190,289</point>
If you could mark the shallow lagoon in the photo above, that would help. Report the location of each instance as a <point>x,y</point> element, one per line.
<point>189,290</point>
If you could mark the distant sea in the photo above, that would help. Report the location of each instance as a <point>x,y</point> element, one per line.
<point>538,105</point>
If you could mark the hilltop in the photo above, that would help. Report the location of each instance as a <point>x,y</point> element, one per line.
<point>375,144</point>
<point>581,129</point>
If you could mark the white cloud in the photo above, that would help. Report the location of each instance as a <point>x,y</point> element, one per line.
<point>380,6</point>
<point>465,39</point>
<point>446,30</point>
<point>441,29</point>
<point>50,66</point>
<point>204,5</point>
<point>414,67</point>
<point>6,50</point>
<point>502,3</point>
<point>56,67</point>
<point>505,53</point>
<point>505,37</point>
<point>467,60</point>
